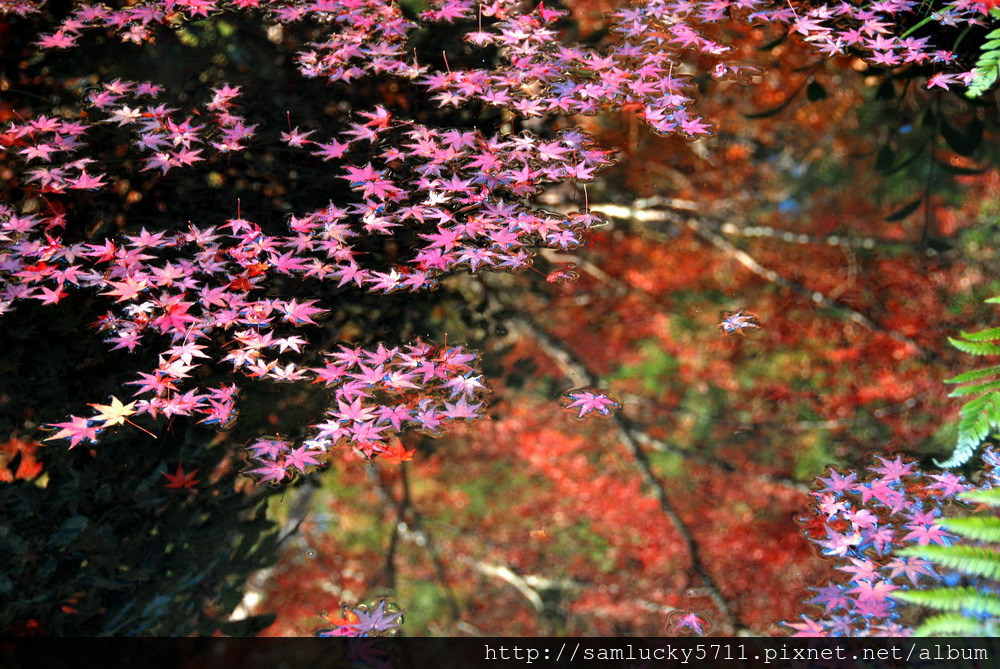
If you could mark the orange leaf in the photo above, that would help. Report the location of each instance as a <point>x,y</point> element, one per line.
<point>28,467</point>
<point>396,454</point>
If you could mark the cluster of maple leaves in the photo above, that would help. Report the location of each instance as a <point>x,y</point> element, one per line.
<point>168,141</point>
<point>189,300</point>
<point>638,72</point>
<point>461,186</point>
<point>861,522</point>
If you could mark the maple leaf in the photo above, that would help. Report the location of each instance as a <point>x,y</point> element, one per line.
<point>28,467</point>
<point>127,289</point>
<point>359,175</point>
<point>57,40</point>
<point>270,471</point>
<point>395,453</point>
<point>737,321</point>
<point>296,138</point>
<point>179,479</point>
<point>76,430</point>
<point>895,469</point>
<point>692,622</point>
<point>931,533</point>
<point>332,150</point>
<point>86,181</point>
<point>353,411</point>
<point>462,409</point>
<point>378,621</point>
<point>878,590</point>
<point>837,483</point>
<point>808,628</point>
<point>589,401</point>
<point>296,313</point>
<point>301,458</point>
<point>114,413</point>
<point>831,597</point>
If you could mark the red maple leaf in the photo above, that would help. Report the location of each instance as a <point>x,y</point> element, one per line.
<point>395,453</point>
<point>180,479</point>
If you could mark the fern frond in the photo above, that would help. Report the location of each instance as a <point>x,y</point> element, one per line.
<point>977,417</point>
<point>967,600</point>
<point>991,334</point>
<point>970,560</point>
<point>990,496</point>
<point>975,389</point>
<point>964,450</point>
<point>981,414</point>
<point>976,406</point>
<point>978,528</point>
<point>971,432</point>
<point>987,68</point>
<point>975,347</point>
<point>953,624</point>
<point>974,375</point>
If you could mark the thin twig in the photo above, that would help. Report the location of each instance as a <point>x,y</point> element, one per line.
<point>415,530</point>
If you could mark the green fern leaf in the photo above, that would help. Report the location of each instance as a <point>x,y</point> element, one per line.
<point>953,624</point>
<point>975,347</point>
<point>971,431</point>
<point>992,334</point>
<point>987,69</point>
<point>963,453</point>
<point>977,406</point>
<point>974,375</point>
<point>990,496</point>
<point>979,528</point>
<point>981,414</point>
<point>975,389</point>
<point>977,417</point>
<point>967,600</point>
<point>971,560</point>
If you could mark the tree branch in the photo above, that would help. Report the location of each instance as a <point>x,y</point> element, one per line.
<point>415,531</point>
<point>679,214</point>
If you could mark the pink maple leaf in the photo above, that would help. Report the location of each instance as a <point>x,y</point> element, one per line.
<point>300,458</point>
<point>588,402</point>
<point>76,430</point>
<point>808,628</point>
<point>297,313</point>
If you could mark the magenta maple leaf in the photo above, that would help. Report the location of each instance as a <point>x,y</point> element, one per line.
<point>301,458</point>
<point>76,430</point>
<point>692,622</point>
<point>273,471</point>
<point>831,597</point>
<point>808,628</point>
<point>295,312</point>
<point>930,533</point>
<point>590,400</point>
<point>838,483</point>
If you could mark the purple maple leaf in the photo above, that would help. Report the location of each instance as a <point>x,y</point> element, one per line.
<point>378,621</point>
<point>589,400</point>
